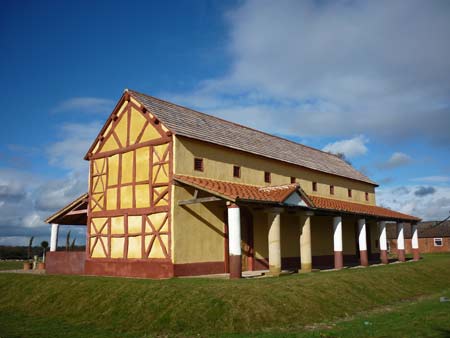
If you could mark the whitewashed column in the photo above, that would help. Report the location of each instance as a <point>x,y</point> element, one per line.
<point>337,240</point>
<point>234,241</point>
<point>362,240</point>
<point>415,243</point>
<point>54,237</point>
<point>400,242</point>
<point>305,242</point>
<point>274,240</point>
<point>383,242</point>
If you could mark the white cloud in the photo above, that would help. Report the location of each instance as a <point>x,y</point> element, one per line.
<point>396,160</point>
<point>335,68</point>
<point>430,206</point>
<point>432,179</point>
<point>27,199</point>
<point>76,138</point>
<point>85,105</point>
<point>353,147</point>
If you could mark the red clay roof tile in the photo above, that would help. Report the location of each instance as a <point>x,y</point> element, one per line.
<point>278,194</point>
<point>235,191</point>
<point>360,209</point>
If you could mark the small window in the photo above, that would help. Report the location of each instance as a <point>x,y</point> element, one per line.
<point>198,164</point>
<point>331,189</point>
<point>349,192</point>
<point>367,196</point>
<point>314,186</point>
<point>236,171</point>
<point>292,180</point>
<point>266,177</point>
<point>437,241</point>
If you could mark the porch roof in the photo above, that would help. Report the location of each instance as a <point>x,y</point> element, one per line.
<point>360,209</point>
<point>75,213</point>
<point>236,192</point>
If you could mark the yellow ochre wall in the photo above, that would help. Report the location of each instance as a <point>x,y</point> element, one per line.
<point>218,164</point>
<point>198,229</point>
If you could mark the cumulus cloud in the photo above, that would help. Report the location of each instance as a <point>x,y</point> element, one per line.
<point>353,147</point>
<point>27,199</point>
<point>428,206</point>
<point>75,140</point>
<point>423,191</point>
<point>85,105</point>
<point>335,68</point>
<point>396,160</point>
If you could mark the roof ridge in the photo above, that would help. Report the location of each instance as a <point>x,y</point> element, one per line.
<point>241,125</point>
<point>280,186</point>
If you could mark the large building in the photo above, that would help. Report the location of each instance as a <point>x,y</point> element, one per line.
<point>175,192</point>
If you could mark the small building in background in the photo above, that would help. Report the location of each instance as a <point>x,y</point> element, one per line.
<point>434,236</point>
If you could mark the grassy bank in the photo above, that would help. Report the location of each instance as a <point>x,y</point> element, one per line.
<point>76,306</point>
<point>11,265</point>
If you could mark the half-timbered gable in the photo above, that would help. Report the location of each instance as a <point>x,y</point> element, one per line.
<point>129,200</point>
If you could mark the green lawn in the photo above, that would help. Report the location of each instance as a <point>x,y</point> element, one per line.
<point>390,301</point>
<point>11,265</point>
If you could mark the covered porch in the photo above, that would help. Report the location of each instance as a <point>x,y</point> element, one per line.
<point>67,262</point>
<point>282,228</point>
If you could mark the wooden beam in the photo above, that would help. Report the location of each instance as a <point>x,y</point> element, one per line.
<point>199,200</point>
<point>77,212</point>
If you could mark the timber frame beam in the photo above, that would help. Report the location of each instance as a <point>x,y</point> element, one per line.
<point>197,199</point>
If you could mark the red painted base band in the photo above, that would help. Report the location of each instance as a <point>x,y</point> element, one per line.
<point>364,260</point>
<point>384,257</point>
<point>129,268</point>
<point>338,260</point>
<point>401,255</point>
<point>197,269</point>
<point>235,266</point>
<point>416,254</point>
<point>65,262</point>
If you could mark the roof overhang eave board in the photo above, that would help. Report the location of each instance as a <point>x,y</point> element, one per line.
<point>60,214</point>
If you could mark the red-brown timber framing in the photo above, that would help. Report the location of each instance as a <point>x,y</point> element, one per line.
<point>144,267</point>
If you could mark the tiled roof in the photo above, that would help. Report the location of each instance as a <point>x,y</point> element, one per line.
<point>277,194</point>
<point>193,124</point>
<point>360,209</point>
<point>236,191</point>
<point>429,229</point>
<point>440,230</point>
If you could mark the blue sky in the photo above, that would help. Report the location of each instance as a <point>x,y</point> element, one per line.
<point>369,79</point>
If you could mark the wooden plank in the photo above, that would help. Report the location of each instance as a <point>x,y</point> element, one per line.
<point>77,212</point>
<point>199,200</point>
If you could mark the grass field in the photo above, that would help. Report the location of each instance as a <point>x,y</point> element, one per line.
<point>399,300</point>
<point>11,265</point>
